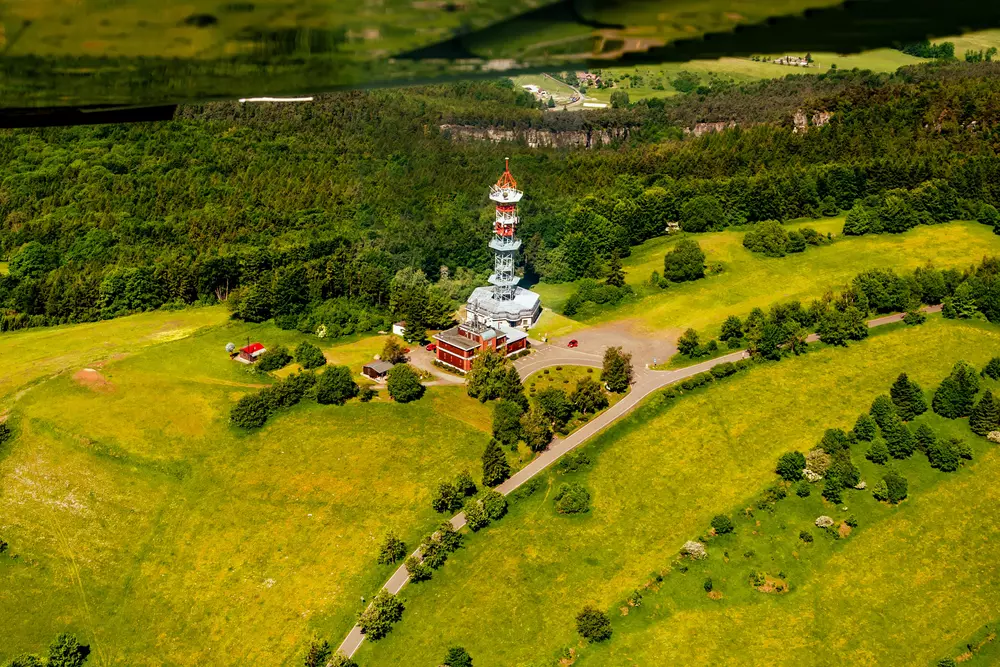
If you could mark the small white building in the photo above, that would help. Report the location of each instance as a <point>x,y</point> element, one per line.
<point>399,328</point>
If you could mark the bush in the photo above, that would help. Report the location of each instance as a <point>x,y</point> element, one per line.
<point>802,489</point>
<point>457,657</point>
<point>251,411</point>
<point>309,356</point>
<point>805,536</point>
<point>896,486</point>
<point>494,504</point>
<point>790,466</point>
<point>833,490</point>
<point>403,384</point>
<point>685,262</point>
<point>5,433</point>
<point>366,393</point>
<point>392,550</point>
<point>465,485</point>
<point>770,238</point>
<point>447,498</point>
<point>417,569</point>
<point>723,370</point>
<point>274,359</point>
<point>593,624</point>
<point>722,524</point>
<point>572,498</point>
<point>335,386</point>
<point>377,620</point>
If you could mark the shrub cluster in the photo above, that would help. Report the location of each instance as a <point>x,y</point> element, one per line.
<point>490,506</point>
<point>770,238</point>
<point>450,496</point>
<point>274,359</point>
<point>590,291</point>
<point>253,410</point>
<point>571,498</point>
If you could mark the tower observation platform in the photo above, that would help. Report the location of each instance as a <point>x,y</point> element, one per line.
<point>504,303</point>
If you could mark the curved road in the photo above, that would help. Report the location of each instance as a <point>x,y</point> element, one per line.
<point>646,382</point>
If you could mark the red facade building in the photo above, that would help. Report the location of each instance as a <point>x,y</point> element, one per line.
<point>458,346</point>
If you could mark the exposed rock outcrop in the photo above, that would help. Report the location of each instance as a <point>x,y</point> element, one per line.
<point>538,138</point>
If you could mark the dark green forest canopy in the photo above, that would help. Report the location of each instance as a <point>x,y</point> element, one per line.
<point>287,207</point>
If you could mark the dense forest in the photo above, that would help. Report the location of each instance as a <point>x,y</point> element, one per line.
<point>343,213</point>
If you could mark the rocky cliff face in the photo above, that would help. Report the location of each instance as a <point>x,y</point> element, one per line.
<point>538,138</point>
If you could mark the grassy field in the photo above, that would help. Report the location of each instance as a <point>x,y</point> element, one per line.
<point>915,585</point>
<point>746,69</point>
<point>145,524</point>
<point>34,354</point>
<point>559,90</point>
<point>751,280</point>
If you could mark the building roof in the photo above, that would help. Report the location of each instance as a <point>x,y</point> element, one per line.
<point>513,335</point>
<point>380,367</point>
<point>524,304</point>
<point>453,338</point>
<point>254,348</point>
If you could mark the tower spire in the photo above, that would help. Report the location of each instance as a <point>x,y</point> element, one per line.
<point>505,243</point>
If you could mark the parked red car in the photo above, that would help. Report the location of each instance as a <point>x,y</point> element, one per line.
<point>573,343</point>
<point>431,347</point>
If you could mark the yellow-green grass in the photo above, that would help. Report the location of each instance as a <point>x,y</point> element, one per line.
<point>32,354</point>
<point>160,535</point>
<point>4,269</point>
<point>657,479</point>
<point>974,41</point>
<point>750,280</point>
<point>551,323</point>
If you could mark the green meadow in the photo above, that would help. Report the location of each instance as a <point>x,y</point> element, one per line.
<point>914,581</point>
<point>145,524</point>
<point>747,69</point>
<point>748,280</point>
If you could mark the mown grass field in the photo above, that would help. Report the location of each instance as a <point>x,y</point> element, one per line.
<point>751,280</point>
<point>903,592</point>
<point>158,534</point>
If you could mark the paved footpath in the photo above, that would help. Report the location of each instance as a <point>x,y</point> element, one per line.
<point>646,382</point>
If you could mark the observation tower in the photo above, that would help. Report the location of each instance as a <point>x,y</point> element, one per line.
<point>505,303</point>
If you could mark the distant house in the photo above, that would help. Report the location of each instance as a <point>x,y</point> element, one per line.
<point>399,328</point>
<point>250,353</point>
<point>376,370</point>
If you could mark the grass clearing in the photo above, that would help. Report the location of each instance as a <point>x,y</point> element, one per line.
<point>657,479</point>
<point>750,280</point>
<point>146,525</point>
<point>29,355</point>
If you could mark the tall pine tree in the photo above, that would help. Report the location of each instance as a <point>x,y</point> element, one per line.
<point>496,469</point>
<point>956,394</point>
<point>616,277</point>
<point>985,416</point>
<point>908,398</point>
<point>883,410</point>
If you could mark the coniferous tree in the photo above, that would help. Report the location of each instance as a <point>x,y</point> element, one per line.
<point>318,655</point>
<point>616,276</point>
<point>865,427</point>
<point>985,415</point>
<point>956,394</point>
<point>992,369</point>
<point>496,468</point>
<point>878,452</point>
<point>883,410</point>
<point>908,398</point>
<point>511,388</point>
<point>898,438</point>
<point>67,651</point>
<point>457,657</point>
<point>925,438</point>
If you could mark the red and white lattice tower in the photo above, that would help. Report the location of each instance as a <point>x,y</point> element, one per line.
<point>505,243</point>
